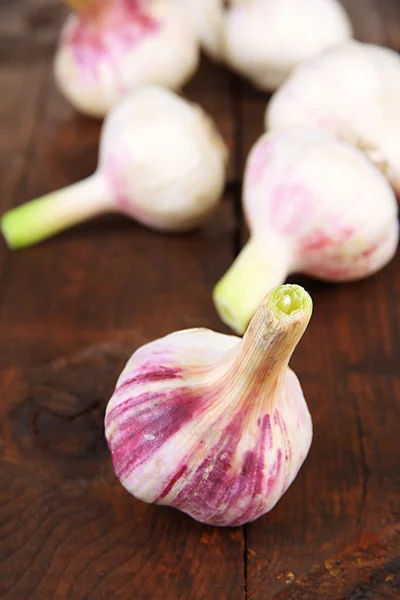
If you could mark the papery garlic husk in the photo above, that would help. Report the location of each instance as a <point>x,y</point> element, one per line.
<point>110,47</point>
<point>266,39</point>
<point>314,205</point>
<point>215,425</point>
<point>162,162</point>
<point>351,91</point>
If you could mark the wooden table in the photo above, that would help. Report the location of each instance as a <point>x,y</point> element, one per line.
<point>74,308</point>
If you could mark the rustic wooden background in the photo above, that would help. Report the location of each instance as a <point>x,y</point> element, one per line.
<point>74,308</point>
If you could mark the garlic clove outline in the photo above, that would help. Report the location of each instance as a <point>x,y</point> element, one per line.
<point>208,17</point>
<point>314,205</point>
<point>162,162</point>
<point>107,48</point>
<point>264,40</point>
<point>214,425</point>
<point>366,115</point>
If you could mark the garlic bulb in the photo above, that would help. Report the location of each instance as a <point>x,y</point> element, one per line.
<point>266,39</point>
<point>211,424</point>
<point>352,91</point>
<point>110,47</point>
<point>208,19</point>
<point>161,162</point>
<point>314,205</point>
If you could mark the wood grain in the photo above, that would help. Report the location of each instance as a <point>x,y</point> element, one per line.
<point>71,531</point>
<point>390,11</point>
<point>368,22</point>
<point>73,309</point>
<point>24,70</point>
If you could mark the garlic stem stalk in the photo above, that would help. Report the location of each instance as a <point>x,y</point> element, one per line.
<point>257,269</point>
<point>270,339</point>
<point>43,217</point>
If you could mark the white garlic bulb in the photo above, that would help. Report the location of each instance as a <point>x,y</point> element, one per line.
<point>314,205</point>
<point>265,40</point>
<point>352,91</point>
<point>109,47</point>
<point>208,19</point>
<point>162,162</point>
<point>211,424</point>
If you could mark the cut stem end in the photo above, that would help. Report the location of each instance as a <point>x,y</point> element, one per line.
<point>287,301</point>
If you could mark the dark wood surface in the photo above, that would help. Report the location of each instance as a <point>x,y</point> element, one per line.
<point>74,308</point>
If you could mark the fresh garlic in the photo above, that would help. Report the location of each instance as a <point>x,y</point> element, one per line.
<point>161,162</point>
<point>215,425</point>
<point>314,204</point>
<point>266,39</point>
<point>352,91</point>
<point>208,19</point>
<point>109,47</point>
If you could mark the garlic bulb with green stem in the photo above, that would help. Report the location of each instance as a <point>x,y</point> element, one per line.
<point>315,205</point>
<point>211,424</point>
<point>264,40</point>
<point>162,162</point>
<point>352,91</point>
<point>109,47</point>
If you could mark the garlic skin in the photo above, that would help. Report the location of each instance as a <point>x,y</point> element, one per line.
<point>162,162</point>
<point>208,18</point>
<point>109,48</point>
<point>351,91</point>
<point>211,424</point>
<point>266,39</point>
<point>314,205</point>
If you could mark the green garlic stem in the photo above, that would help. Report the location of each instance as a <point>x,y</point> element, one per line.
<point>275,330</point>
<point>257,269</point>
<point>41,218</point>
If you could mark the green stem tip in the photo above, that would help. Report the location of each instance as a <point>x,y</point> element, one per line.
<point>39,219</point>
<point>287,301</point>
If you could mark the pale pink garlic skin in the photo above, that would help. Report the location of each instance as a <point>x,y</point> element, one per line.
<point>266,39</point>
<point>317,205</point>
<point>103,56</point>
<point>352,91</point>
<point>185,430</point>
<point>162,160</point>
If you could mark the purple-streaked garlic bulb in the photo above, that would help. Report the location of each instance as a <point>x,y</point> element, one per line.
<point>162,162</point>
<point>352,91</point>
<point>264,40</point>
<point>315,205</point>
<point>211,424</point>
<point>109,47</point>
